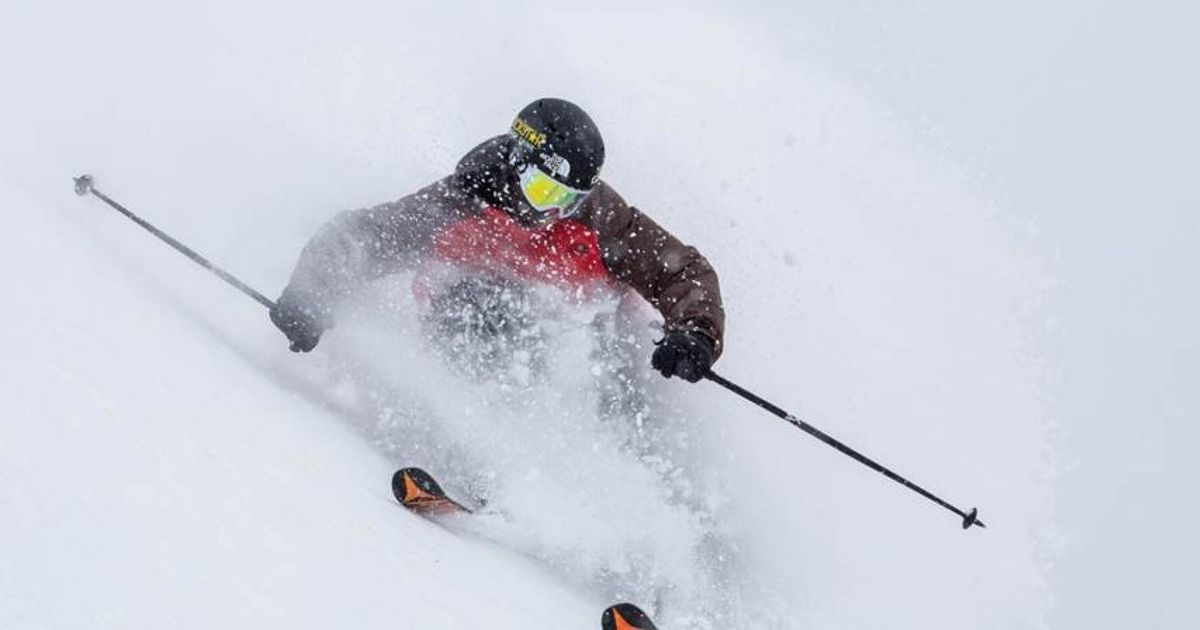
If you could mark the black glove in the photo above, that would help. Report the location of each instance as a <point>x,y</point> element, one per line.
<point>302,324</point>
<point>687,355</point>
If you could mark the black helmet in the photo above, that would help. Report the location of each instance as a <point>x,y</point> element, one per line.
<point>561,140</point>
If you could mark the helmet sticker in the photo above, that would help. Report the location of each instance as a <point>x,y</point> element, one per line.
<point>528,133</point>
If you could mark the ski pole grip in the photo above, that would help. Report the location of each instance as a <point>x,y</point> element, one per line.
<point>83,185</point>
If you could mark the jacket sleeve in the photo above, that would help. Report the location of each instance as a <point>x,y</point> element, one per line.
<point>675,278</point>
<point>358,246</point>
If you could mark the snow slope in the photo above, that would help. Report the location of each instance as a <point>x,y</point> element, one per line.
<point>155,476</point>
<point>164,459</point>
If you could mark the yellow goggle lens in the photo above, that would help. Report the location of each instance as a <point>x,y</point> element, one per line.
<point>544,192</point>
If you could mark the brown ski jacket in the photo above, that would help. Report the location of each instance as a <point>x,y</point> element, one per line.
<point>616,239</point>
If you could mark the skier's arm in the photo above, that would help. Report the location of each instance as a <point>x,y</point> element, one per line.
<point>358,246</point>
<point>675,278</point>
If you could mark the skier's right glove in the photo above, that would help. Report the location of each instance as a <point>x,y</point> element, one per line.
<point>299,321</point>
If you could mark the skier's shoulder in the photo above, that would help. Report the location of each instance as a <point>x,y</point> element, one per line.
<point>489,154</point>
<point>433,197</point>
<point>454,192</point>
<point>605,210</point>
<point>485,172</point>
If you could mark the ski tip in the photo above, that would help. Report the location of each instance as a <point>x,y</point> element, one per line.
<point>625,617</point>
<point>83,184</point>
<point>412,484</point>
<point>417,490</point>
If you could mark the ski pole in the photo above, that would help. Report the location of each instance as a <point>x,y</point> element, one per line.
<point>969,518</point>
<point>84,184</point>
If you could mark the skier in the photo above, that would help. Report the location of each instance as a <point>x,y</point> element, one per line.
<point>526,207</point>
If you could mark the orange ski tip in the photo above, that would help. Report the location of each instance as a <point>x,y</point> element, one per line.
<point>413,491</point>
<point>416,490</point>
<point>620,622</point>
<point>626,617</point>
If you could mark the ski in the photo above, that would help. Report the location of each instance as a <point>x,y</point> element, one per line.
<point>625,617</point>
<point>418,491</point>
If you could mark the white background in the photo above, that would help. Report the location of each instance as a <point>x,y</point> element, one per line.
<point>1081,117</point>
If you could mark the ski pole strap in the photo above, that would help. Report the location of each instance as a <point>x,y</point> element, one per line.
<point>969,517</point>
<point>84,184</point>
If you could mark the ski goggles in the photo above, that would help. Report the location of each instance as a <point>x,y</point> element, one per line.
<point>547,194</point>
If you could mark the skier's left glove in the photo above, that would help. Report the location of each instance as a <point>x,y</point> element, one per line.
<point>686,354</point>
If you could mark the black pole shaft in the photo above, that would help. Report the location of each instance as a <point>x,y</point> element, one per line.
<point>83,186</point>
<point>969,518</point>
